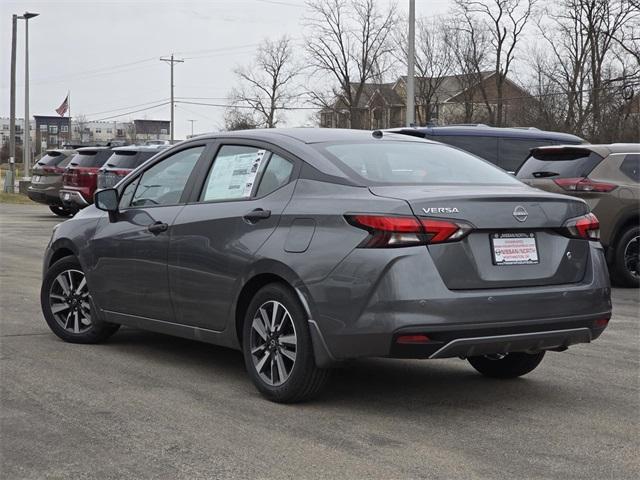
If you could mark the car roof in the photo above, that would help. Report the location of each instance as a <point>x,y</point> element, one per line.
<point>141,148</point>
<point>91,149</point>
<point>307,135</point>
<point>58,150</point>
<point>601,149</point>
<point>480,130</point>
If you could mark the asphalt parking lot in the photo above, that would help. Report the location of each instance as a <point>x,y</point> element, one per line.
<point>145,405</point>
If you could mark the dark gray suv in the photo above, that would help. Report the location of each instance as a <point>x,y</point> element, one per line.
<point>307,247</point>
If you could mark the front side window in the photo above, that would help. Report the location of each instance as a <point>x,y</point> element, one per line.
<point>233,174</point>
<point>414,163</point>
<point>164,183</point>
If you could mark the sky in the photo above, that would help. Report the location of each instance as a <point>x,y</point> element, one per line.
<point>106,53</point>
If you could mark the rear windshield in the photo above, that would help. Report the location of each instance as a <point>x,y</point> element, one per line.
<point>52,159</point>
<point>559,163</point>
<point>92,158</point>
<point>414,163</point>
<point>128,159</point>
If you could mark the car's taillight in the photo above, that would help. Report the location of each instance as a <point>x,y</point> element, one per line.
<point>586,226</point>
<point>392,231</point>
<point>583,185</point>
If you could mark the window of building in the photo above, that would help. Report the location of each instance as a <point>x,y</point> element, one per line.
<point>120,132</point>
<point>64,128</point>
<point>53,140</point>
<point>5,127</point>
<point>163,131</point>
<point>109,130</point>
<point>53,129</point>
<point>43,128</point>
<point>98,130</point>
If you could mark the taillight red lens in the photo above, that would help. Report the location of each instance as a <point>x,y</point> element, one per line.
<point>392,231</point>
<point>583,185</point>
<point>586,226</point>
<point>412,339</point>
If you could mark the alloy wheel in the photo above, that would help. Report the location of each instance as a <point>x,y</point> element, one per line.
<point>273,343</point>
<point>632,256</point>
<point>69,301</point>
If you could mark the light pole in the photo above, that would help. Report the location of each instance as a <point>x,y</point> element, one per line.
<point>27,121</point>
<point>411,77</point>
<point>9,180</point>
<point>192,121</point>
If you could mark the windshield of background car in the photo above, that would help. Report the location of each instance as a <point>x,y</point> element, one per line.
<point>92,158</point>
<point>414,163</point>
<point>128,159</point>
<point>52,159</point>
<point>559,163</point>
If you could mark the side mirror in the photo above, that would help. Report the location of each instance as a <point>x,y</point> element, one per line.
<point>106,200</point>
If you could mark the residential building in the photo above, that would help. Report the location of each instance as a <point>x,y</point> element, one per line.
<point>5,130</point>
<point>443,100</point>
<point>51,131</point>
<point>151,129</point>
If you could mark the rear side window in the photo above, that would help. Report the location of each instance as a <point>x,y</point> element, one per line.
<point>52,159</point>
<point>483,147</point>
<point>416,163</point>
<point>514,151</point>
<point>91,158</point>
<point>275,175</point>
<point>559,163</point>
<point>630,166</point>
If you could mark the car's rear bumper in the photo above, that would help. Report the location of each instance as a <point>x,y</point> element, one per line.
<point>47,195</point>
<point>72,198</point>
<point>363,310</point>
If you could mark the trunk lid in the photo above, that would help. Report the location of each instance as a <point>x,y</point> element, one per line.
<point>492,210</point>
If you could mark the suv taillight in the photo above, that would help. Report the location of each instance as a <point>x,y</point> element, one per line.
<point>391,231</point>
<point>583,185</point>
<point>586,226</point>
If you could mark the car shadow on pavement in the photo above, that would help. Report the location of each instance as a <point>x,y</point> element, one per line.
<point>379,384</point>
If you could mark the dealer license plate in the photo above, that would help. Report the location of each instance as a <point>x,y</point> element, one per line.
<point>514,249</point>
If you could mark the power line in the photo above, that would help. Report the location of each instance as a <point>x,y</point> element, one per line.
<point>134,111</point>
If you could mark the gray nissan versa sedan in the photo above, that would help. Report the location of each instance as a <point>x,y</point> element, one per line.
<point>305,247</point>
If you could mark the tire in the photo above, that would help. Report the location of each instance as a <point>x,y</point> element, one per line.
<point>273,372</point>
<point>511,365</point>
<point>61,211</point>
<point>624,271</point>
<point>74,319</point>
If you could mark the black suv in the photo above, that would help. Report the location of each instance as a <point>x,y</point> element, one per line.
<point>505,147</point>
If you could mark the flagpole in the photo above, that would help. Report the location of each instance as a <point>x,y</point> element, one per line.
<point>69,105</point>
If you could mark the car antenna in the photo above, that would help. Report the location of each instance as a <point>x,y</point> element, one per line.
<point>377,134</point>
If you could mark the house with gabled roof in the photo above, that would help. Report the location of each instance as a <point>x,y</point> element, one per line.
<point>443,100</point>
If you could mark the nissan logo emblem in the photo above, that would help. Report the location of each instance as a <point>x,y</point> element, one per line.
<point>520,213</point>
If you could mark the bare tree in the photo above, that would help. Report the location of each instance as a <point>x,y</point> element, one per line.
<point>80,123</point>
<point>266,85</point>
<point>236,119</point>
<point>350,42</point>
<point>434,61</point>
<point>130,133</point>
<point>503,21</point>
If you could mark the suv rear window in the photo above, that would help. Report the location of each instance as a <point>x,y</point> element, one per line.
<point>559,163</point>
<point>129,159</point>
<point>95,158</point>
<point>51,159</point>
<point>514,151</point>
<point>414,163</point>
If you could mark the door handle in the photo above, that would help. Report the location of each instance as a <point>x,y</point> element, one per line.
<point>257,214</point>
<point>158,227</point>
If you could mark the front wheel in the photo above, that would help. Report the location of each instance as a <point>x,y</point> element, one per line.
<point>509,365</point>
<point>626,261</point>
<point>67,305</point>
<point>62,211</point>
<point>277,347</point>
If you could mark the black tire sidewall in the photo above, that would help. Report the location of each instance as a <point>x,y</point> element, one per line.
<point>512,365</point>
<point>60,211</point>
<point>304,364</point>
<point>97,332</point>
<point>621,275</point>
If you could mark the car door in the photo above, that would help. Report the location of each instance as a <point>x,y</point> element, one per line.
<point>130,272</point>
<point>215,238</point>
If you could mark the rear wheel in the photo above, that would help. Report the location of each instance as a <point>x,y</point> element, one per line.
<point>67,305</point>
<point>277,347</point>
<point>626,261</point>
<point>510,365</point>
<point>61,211</point>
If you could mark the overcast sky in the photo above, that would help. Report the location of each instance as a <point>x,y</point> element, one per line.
<point>106,52</point>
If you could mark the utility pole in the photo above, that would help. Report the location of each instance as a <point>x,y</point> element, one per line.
<point>9,181</point>
<point>27,120</point>
<point>171,61</point>
<point>411,77</point>
<point>192,121</point>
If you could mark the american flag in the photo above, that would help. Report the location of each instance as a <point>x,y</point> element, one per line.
<point>62,109</point>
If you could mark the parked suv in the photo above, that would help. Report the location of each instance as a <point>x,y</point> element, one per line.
<point>607,177</point>
<point>504,147</point>
<point>123,160</point>
<point>46,180</point>
<point>80,180</point>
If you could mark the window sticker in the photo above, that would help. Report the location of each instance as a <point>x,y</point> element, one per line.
<point>233,176</point>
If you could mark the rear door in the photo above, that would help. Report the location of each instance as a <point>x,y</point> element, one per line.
<point>215,238</point>
<point>130,272</point>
